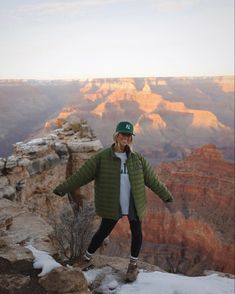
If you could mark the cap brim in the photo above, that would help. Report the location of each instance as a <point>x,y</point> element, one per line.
<point>125,132</point>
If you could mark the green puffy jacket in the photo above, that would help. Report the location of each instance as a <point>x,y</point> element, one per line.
<point>104,168</point>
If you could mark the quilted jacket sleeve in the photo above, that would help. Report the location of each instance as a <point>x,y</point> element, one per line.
<point>151,181</point>
<point>82,177</point>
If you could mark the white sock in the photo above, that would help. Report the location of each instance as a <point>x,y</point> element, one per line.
<point>133,260</point>
<point>88,256</point>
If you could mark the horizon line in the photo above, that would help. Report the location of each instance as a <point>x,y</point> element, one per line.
<point>114,77</point>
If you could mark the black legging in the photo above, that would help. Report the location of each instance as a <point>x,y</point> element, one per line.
<point>106,228</point>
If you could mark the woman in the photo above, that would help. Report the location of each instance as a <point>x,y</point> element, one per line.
<point>120,176</point>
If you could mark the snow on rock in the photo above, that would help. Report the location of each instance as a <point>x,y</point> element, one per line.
<point>165,283</point>
<point>43,260</point>
<point>104,280</point>
<point>109,281</point>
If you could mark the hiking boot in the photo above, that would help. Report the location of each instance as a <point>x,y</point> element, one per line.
<point>87,265</point>
<point>132,272</point>
<point>84,264</point>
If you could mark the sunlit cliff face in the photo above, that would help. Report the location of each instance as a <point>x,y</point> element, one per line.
<point>183,112</point>
<point>226,83</point>
<point>59,120</point>
<point>149,104</point>
<point>205,119</point>
<point>155,122</point>
<point>100,109</point>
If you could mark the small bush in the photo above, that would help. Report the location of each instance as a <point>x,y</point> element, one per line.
<point>73,231</point>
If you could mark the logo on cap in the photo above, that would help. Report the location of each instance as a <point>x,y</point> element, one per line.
<point>125,127</point>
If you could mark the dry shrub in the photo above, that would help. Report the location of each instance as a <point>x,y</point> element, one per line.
<point>73,231</point>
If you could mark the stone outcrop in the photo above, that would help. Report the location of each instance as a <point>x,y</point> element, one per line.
<point>196,231</point>
<point>29,175</point>
<point>28,205</point>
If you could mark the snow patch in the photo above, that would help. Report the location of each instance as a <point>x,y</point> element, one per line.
<point>109,281</point>
<point>147,282</point>
<point>43,260</point>
<point>165,283</point>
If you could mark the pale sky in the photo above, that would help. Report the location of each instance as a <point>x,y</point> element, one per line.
<point>58,39</point>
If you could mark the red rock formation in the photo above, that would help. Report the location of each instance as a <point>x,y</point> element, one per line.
<point>196,232</point>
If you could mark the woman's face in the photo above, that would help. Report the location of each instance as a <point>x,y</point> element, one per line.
<point>124,139</point>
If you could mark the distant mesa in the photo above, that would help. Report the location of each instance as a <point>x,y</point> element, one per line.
<point>149,122</point>
<point>207,152</point>
<point>183,113</point>
<point>226,83</point>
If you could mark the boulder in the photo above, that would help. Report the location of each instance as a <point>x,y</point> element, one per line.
<point>65,280</point>
<point>2,165</point>
<point>11,162</point>
<point>5,221</point>
<point>62,150</point>
<point>37,166</point>
<point>19,227</point>
<point>7,192</point>
<point>84,146</point>
<point>28,228</point>
<point>3,181</point>
<point>10,283</point>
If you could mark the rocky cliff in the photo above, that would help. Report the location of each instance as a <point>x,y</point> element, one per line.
<point>196,231</point>
<point>27,203</point>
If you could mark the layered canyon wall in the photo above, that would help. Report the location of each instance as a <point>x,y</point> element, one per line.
<point>171,115</point>
<point>196,231</point>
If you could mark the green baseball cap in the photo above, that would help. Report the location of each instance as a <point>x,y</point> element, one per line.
<point>125,127</point>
